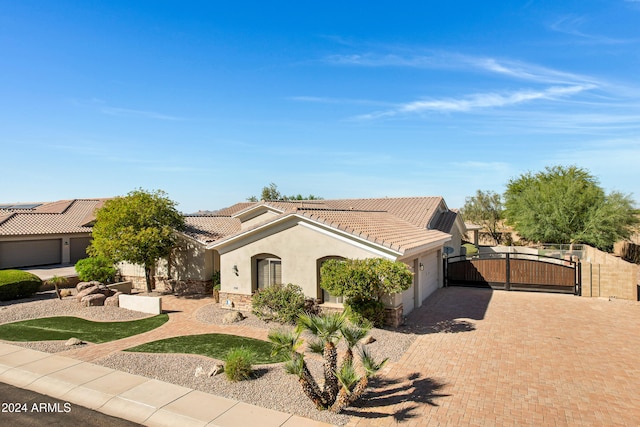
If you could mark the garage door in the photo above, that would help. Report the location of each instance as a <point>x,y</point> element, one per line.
<point>30,253</point>
<point>79,248</point>
<point>429,281</point>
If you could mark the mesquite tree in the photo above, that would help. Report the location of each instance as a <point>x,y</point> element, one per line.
<point>138,228</point>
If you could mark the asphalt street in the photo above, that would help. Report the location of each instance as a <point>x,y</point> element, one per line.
<point>25,408</point>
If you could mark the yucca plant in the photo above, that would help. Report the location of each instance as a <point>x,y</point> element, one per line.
<point>239,364</point>
<point>342,384</point>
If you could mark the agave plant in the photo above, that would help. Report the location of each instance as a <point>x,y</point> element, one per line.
<point>342,384</point>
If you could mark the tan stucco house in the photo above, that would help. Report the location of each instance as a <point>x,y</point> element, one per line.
<point>257,244</point>
<point>46,233</point>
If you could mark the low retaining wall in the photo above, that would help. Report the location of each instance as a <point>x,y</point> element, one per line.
<point>124,287</point>
<point>180,287</point>
<point>144,304</point>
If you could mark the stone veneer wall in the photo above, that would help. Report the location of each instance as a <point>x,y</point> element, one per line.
<point>392,316</point>
<point>180,287</point>
<point>235,301</point>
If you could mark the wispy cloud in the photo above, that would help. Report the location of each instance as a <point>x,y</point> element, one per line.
<point>127,112</point>
<point>478,101</point>
<point>572,25</point>
<point>461,62</point>
<point>329,100</point>
<point>101,106</point>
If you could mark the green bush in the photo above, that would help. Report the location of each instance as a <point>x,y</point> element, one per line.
<point>470,249</point>
<point>282,303</point>
<point>96,268</point>
<point>16,284</point>
<point>238,364</point>
<point>363,311</point>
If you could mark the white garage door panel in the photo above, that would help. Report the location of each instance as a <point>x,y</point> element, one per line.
<point>429,281</point>
<point>30,253</point>
<point>408,300</point>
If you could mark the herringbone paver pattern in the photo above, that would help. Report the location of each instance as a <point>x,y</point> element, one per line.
<point>513,358</point>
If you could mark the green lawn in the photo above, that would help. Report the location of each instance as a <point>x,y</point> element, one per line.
<point>65,327</point>
<point>215,346</point>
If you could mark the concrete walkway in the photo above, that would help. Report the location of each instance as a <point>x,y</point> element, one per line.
<point>132,397</point>
<point>68,376</point>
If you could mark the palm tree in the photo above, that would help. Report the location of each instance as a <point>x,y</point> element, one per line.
<point>352,334</point>
<point>371,368</point>
<point>327,328</point>
<point>287,342</point>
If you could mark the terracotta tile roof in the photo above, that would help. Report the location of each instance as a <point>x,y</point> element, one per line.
<point>234,209</point>
<point>378,227</point>
<point>209,228</point>
<point>399,224</point>
<point>62,217</point>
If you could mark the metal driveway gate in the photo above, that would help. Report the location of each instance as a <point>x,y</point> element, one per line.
<point>514,271</point>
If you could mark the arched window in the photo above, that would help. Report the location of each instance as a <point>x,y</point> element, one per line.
<point>267,271</point>
<point>323,295</point>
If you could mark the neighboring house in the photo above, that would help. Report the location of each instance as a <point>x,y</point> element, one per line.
<point>46,233</point>
<point>255,245</point>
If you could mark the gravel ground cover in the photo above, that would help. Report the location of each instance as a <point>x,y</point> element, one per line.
<point>271,388</point>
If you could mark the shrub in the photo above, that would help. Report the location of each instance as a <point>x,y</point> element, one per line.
<point>16,284</point>
<point>365,310</point>
<point>470,249</point>
<point>238,364</point>
<point>282,303</point>
<point>96,268</point>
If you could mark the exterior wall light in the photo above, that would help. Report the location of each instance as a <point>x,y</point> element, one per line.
<point>235,269</point>
<point>421,267</point>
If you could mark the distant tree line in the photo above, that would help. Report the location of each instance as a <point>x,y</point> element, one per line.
<point>271,192</point>
<point>561,204</point>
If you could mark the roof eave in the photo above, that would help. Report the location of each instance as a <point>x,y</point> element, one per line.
<point>427,247</point>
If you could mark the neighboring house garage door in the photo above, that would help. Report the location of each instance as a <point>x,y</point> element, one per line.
<point>30,253</point>
<point>429,281</point>
<point>79,248</point>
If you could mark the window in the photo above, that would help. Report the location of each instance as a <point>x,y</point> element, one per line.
<point>269,272</point>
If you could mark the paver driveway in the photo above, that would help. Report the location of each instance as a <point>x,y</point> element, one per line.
<point>513,358</point>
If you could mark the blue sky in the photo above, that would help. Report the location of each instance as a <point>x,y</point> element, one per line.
<point>210,100</point>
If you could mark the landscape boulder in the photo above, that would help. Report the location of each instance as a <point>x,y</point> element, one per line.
<point>83,285</point>
<point>73,341</point>
<point>87,291</point>
<point>233,317</point>
<point>93,300</point>
<point>113,301</point>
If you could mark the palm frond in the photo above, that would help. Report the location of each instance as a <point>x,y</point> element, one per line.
<point>370,366</point>
<point>347,376</point>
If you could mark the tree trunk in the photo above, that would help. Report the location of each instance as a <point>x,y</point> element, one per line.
<point>331,384</point>
<point>149,275</point>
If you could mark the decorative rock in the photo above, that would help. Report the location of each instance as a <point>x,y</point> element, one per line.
<point>217,369</point>
<point>113,301</point>
<point>83,285</point>
<point>199,371</point>
<point>93,300</point>
<point>233,317</point>
<point>368,340</point>
<point>65,293</point>
<point>86,291</point>
<point>73,341</point>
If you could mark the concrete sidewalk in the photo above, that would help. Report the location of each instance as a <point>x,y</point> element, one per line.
<point>132,397</point>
